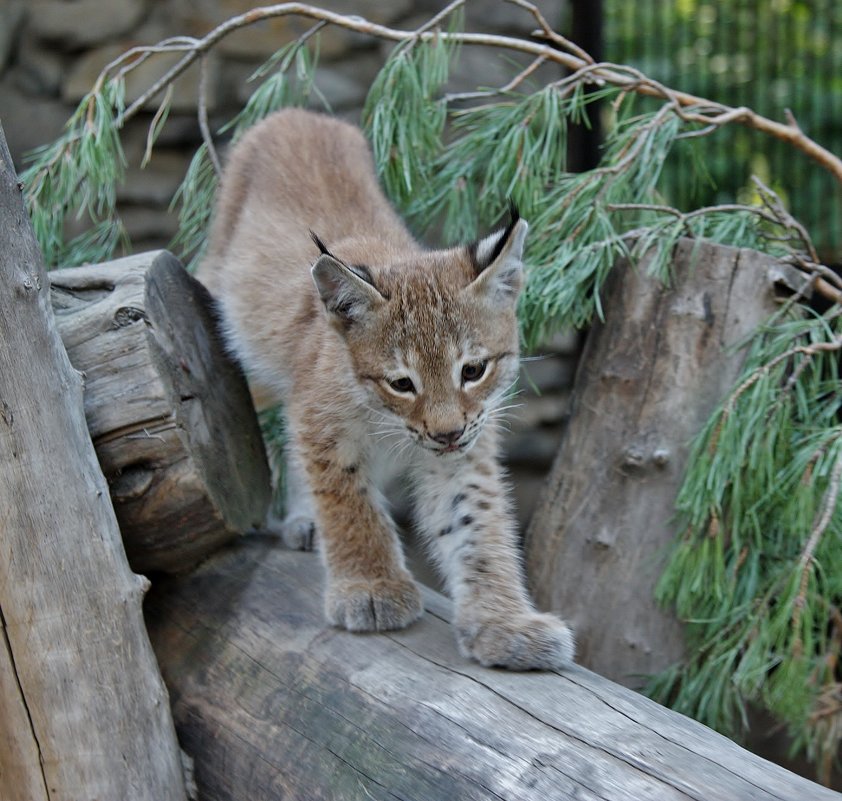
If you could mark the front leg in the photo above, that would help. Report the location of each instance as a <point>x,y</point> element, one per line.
<point>461,507</point>
<point>368,585</point>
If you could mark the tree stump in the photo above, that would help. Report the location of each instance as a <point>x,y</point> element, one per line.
<point>649,378</point>
<point>274,704</point>
<point>169,412</point>
<point>83,711</point>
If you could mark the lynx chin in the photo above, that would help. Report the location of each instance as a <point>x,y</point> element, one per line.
<point>389,359</point>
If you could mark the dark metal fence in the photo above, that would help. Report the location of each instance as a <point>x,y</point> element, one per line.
<point>770,55</point>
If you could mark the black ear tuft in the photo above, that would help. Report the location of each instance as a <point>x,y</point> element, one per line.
<point>507,232</point>
<point>484,252</point>
<point>514,211</point>
<point>320,245</point>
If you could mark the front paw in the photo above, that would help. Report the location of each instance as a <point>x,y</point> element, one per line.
<point>528,641</point>
<point>373,605</point>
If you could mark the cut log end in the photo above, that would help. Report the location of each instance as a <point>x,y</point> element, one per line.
<point>168,410</point>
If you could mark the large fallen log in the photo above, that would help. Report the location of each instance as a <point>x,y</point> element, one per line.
<point>273,704</point>
<point>83,710</point>
<point>169,412</point>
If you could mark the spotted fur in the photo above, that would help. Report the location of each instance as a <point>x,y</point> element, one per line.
<point>388,358</point>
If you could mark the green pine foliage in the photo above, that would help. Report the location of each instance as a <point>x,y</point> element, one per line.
<point>755,569</point>
<point>75,179</point>
<point>404,116</point>
<point>284,79</point>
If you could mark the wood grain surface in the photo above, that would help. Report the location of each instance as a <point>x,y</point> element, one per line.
<point>274,704</point>
<point>83,710</point>
<point>650,376</point>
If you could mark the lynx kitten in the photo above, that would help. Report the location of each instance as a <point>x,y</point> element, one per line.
<point>388,358</point>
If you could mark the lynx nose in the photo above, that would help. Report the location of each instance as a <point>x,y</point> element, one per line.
<point>448,437</point>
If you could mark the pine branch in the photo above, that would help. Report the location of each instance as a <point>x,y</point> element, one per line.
<point>763,370</point>
<point>690,107</point>
<point>825,282</point>
<point>755,571</point>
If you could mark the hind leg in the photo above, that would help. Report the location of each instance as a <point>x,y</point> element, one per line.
<point>298,525</point>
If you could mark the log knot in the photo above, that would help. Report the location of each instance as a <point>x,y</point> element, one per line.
<point>127,315</point>
<point>32,281</point>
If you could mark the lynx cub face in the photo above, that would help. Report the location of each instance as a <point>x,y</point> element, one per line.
<point>439,388</point>
<point>374,344</point>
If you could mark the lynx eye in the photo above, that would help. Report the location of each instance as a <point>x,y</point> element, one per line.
<point>403,385</point>
<point>473,371</point>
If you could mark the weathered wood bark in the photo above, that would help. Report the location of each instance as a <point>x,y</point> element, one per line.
<point>83,711</point>
<point>169,412</point>
<point>273,704</point>
<point>650,376</point>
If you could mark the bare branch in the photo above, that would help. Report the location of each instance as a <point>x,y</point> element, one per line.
<point>547,32</point>
<point>443,14</point>
<point>690,107</point>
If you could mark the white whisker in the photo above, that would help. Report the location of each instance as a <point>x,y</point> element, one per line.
<point>499,409</point>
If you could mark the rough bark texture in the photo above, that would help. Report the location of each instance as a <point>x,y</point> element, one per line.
<point>83,711</point>
<point>273,704</point>
<point>650,376</point>
<point>169,413</point>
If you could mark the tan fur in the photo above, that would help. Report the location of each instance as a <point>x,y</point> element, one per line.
<point>336,343</point>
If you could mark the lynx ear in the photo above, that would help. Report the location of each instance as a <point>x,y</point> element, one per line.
<point>497,258</point>
<point>346,293</point>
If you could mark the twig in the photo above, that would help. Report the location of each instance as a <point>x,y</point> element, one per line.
<point>820,525</point>
<point>547,32</point>
<point>309,33</point>
<point>509,87</point>
<point>150,133</point>
<point>131,59</point>
<point>807,350</point>
<point>204,127</point>
<point>725,207</point>
<point>434,21</point>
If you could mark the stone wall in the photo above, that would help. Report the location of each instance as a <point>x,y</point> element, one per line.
<point>51,52</point>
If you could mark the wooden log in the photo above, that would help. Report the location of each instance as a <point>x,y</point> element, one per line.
<point>649,378</point>
<point>273,704</point>
<point>83,711</point>
<point>169,412</point>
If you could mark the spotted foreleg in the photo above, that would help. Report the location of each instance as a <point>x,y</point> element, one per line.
<point>368,585</point>
<point>463,512</point>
